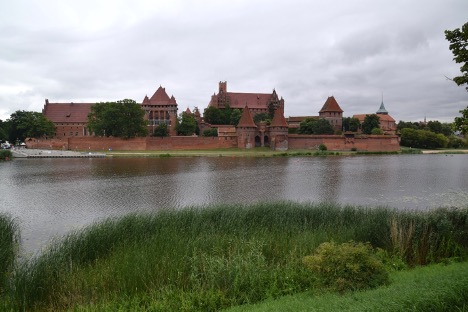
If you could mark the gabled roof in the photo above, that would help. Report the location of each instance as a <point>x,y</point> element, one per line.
<point>160,97</point>
<point>252,100</point>
<point>278,119</point>
<point>246,119</point>
<point>67,112</point>
<point>331,105</point>
<point>381,117</point>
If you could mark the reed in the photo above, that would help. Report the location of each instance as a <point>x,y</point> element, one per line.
<point>9,237</point>
<point>208,258</point>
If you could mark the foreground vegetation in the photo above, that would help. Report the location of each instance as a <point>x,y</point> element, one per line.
<point>210,258</point>
<point>8,244</point>
<point>438,287</point>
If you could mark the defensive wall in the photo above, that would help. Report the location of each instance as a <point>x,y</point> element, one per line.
<point>135,144</point>
<point>372,143</point>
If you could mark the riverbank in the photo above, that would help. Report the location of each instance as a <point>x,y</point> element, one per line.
<point>210,258</point>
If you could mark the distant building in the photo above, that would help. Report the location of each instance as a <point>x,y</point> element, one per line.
<point>70,119</point>
<point>387,123</point>
<point>160,108</point>
<point>256,102</point>
<point>330,111</point>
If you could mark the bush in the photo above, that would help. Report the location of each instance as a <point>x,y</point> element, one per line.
<point>455,142</point>
<point>210,132</point>
<point>349,266</point>
<point>377,131</point>
<point>322,147</point>
<point>354,149</point>
<point>4,154</point>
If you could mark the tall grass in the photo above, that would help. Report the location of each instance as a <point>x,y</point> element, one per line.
<point>208,258</point>
<point>9,237</point>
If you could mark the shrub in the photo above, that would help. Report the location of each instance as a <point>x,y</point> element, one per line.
<point>354,149</point>
<point>348,266</point>
<point>376,131</point>
<point>4,154</point>
<point>455,142</point>
<point>322,147</point>
<point>210,132</point>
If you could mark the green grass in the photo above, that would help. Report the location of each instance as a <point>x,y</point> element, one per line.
<point>432,288</point>
<point>209,258</point>
<point>9,236</point>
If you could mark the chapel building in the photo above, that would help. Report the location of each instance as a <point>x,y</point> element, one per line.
<point>256,102</point>
<point>387,123</point>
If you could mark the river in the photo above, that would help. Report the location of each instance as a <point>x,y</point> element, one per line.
<point>50,197</point>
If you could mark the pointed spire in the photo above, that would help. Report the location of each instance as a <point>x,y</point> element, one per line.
<point>278,119</point>
<point>246,119</point>
<point>382,109</point>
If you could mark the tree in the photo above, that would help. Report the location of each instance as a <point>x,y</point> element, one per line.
<point>3,130</point>
<point>351,124</point>
<point>422,139</point>
<point>370,122</point>
<point>458,45</point>
<point>210,132</point>
<point>187,125</point>
<point>213,115</point>
<point>124,119</point>
<point>461,123</point>
<point>161,130</point>
<point>315,126</point>
<point>24,124</point>
<point>262,117</point>
<point>235,116</point>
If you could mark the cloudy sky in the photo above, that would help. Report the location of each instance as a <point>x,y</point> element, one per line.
<point>92,51</point>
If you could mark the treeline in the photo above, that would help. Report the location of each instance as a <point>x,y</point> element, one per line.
<point>432,134</point>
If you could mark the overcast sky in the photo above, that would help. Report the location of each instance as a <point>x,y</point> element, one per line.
<point>93,51</point>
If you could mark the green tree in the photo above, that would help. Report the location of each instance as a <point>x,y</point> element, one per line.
<point>24,124</point>
<point>3,130</point>
<point>213,115</point>
<point>124,119</point>
<point>411,125</point>
<point>461,123</point>
<point>370,122</point>
<point>235,116</point>
<point>458,45</point>
<point>161,130</point>
<point>350,124</point>
<point>187,125</point>
<point>262,117</point>
<point>315,126</point>
<point>210,132</point>
<point>422,139</point>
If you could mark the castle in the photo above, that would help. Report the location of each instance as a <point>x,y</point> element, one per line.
<point>70,119</point>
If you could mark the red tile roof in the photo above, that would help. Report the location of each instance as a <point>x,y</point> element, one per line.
<point>278,119</point>
<point>246,119</point>
<point>67,112</point>
<point>160,97</point>
<point>331,105</point>
<point>381,117</point>
<point>252,100</point>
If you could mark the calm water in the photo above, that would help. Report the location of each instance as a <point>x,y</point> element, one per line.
<point>50,197</point>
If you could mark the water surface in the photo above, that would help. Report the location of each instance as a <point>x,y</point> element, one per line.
<point>50,197</point>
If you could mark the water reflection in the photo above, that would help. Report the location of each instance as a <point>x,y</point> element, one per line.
<point>53,196</point>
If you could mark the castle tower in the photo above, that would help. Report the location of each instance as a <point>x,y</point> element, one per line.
<point>332,112</point>
<point>246,130</point>
<point>279,131</point>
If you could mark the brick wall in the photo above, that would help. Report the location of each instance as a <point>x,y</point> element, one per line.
<point>385,143</point>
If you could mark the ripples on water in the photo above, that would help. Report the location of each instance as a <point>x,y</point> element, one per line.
<point>53,196</point>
